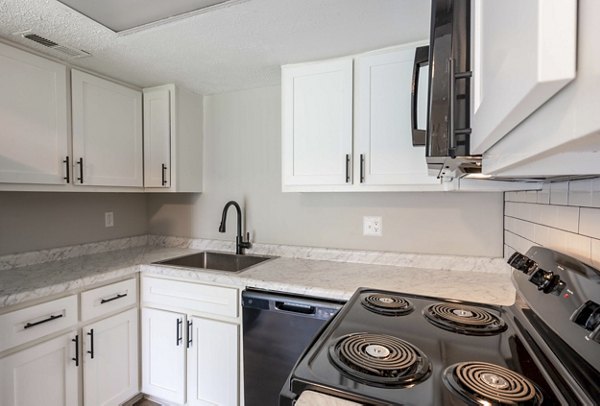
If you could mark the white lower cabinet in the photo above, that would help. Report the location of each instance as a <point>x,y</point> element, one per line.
<point>188,359</point>
<point>163,355</point>
<point>212,370</point>
<point>110,360</point>
<point>45,374</point>
<point>49,357</point>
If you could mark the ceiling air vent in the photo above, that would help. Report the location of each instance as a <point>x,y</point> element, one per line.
<point>62,49</point>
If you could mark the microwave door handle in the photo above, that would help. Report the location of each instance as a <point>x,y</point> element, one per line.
<point>421,60</point>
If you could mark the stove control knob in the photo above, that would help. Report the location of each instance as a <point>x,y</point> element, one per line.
<point>547,281</point>
<point>521,263</point>
<point>588,317</point>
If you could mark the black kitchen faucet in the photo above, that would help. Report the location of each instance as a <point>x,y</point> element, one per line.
<point>240,244</point>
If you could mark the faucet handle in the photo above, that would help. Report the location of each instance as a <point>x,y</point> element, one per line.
<point>247,243</point>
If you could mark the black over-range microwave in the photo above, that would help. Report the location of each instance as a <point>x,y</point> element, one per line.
<point>448,58</point>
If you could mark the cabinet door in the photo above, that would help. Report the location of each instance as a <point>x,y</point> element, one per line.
<point>107,132</point>
<point>383,137</point>
<point>110,367</point>
<point>44,374</point>
<point>317,123</point>
<point>523,53</point>
<point>212,363</point>
<point>163,355</point>
<point>157,138</point>
<point>33,117</point>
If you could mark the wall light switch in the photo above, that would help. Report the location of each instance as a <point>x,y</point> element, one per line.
<point>372,226</point>
<point>109,219</point>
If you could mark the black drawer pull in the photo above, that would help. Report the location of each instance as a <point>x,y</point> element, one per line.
<point>68,175</point>
<point>189,333</point>
<point>163,174</point>
<point>179,337</point>
<point>29,325</point>
<point>80,163</point>
<point>76,341</point>
<point>91,350</point>
<point>119,296</point>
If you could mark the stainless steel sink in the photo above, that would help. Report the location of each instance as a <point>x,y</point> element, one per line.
<point>220,261</point>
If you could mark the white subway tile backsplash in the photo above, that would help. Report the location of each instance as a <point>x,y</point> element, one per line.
<point>530,196</point>
<point>510,196</point>
<point>559,193</point>
<point>543,195</point>
<point>564,216</point>
<point>579,245</point>
<point>580,193</point>
<point>596,252</point>
<point>517,242</point>
<point>590,222</point>
<point>596,192</point>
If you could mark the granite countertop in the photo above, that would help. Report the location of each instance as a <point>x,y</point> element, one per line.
<point>319,278</point>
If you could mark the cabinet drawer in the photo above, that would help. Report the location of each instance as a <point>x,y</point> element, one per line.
<point>186,295</point>
<point>33,322</point>
<point>107,299</point>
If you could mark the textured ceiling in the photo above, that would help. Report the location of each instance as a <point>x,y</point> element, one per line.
<point>235,47</point>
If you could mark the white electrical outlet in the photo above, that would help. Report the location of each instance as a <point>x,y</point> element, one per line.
<point>109,219</point>
<point>373,226</point>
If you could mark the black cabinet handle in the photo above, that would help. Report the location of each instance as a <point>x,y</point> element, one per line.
<point>76,341</point>
<point>421,60</point>
<point>80,163</point>
<point>68,170</point>
<point>362,168</point>
<point>189,334</point>
<point>52,317</point>
<point>119,296</point>
<point>91,350</point>
<point>164,176</point>
<point>179,332</point>
<point>347,168</point>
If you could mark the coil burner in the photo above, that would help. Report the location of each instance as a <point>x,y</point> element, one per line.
<point>379,360</point>
<point>481,383</point>
<point>462,319</point>
<point>388,305</point>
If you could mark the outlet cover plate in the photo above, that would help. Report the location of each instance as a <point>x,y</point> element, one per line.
<point>109,219</point>
<point>373,226</point>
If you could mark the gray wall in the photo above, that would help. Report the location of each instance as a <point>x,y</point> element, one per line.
<point>33,221</point>
<point>242,161</point>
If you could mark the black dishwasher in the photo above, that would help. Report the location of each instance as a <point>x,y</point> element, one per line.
<point>277,329</point>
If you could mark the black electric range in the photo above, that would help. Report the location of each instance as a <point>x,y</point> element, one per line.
<point>390,348</point>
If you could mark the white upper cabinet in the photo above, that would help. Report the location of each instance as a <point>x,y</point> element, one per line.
<point>562,137</point>
<point>173,121</point>
<point>523,53</point>
<point>347,124</point>
<point>34,140</point>
<point>317,123</point>
<point>107,132</point>
<point>384,153</point>
<point>157,138</point>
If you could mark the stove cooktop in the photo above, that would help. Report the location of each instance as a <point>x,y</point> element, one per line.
<point>391,348</point>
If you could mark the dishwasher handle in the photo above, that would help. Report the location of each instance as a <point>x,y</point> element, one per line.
<point>295,307</point>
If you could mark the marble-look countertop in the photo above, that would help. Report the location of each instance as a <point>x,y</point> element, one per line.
<point>326,279</point>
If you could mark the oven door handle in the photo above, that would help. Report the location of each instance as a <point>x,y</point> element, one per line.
<point>421,60</point>
<point>295,307</point>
